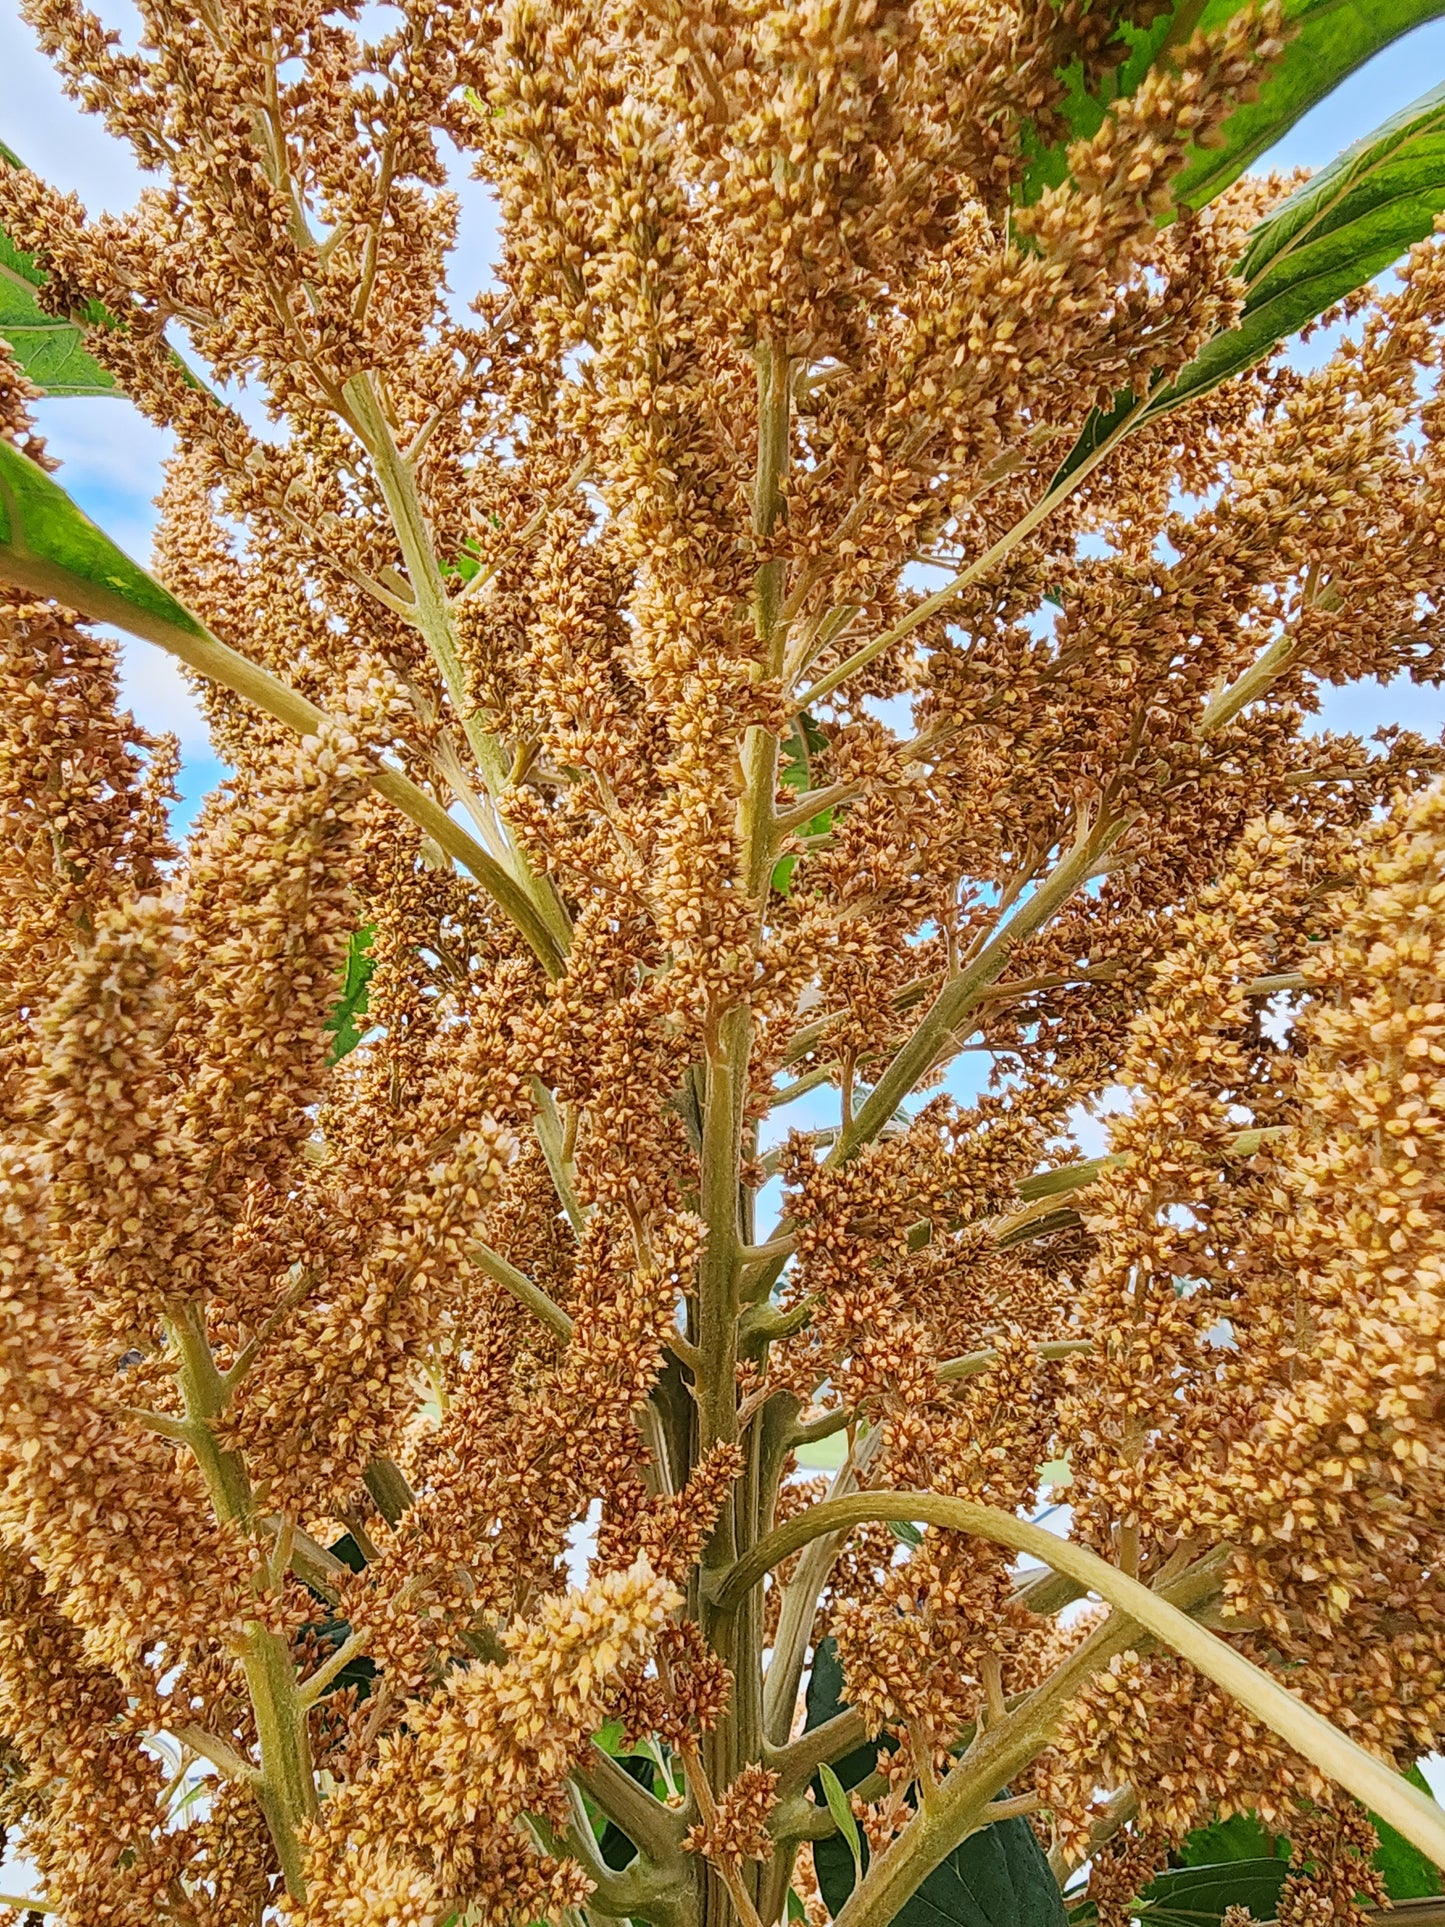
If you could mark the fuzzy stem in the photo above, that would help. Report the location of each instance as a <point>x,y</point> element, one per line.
<point>652,1828</point>
<point>1248,686</point>
<point>552,1140</point>
<point>522,1289</point>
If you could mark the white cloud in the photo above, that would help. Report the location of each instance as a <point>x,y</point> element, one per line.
<point>154,689</point>
<point>111,461</point>
<point>49,132</point>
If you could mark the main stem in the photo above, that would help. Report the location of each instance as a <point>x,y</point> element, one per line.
<point>735,1632</point>
<point>285,1787</point>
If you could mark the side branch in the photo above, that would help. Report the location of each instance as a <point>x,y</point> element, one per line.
<point>931,1035</point>
<point>522,1289</point>
<point>941,598</point>
<point>218,662</point>
<point>651,1827</point>
<point>1381,1789</point>
<point>49,548</point>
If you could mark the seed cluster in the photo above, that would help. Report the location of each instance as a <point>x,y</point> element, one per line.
<point>382,1427</point>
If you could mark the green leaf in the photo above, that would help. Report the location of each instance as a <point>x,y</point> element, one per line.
<point>905,1532</point>
<point>348,1552</point>
<point>59,551</point>
<point>1239,1863</point>
<point>783,874</point>
<point>49,348</point>
<point>1196,1896</point>
<point>1409,1874</point>
<point>1328,40</point>
<point>1241,1837</point>
<point>1083,108</point>
<point>998,1877</point>
<point>1331,39</point>
<point>824,1702</point>
<point>1334,235</point>
<point>355,987</point>
<point>842,1815</point>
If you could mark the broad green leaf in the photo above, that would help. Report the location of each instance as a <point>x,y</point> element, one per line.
<point>49,348</point>
<point>351,1004</point>
<point>1197,1896</point>
<point>824,1701</point>
<point>1241,1837</point>
<point>1331,39</point>
<point>1239,1863</point>
<point>1334,235</point>
<point>51,352</point>
<point>1409,1874</point>
<point>1328,40</point>
<point>59,551</point>
<point>998,1877</point>
<point>1083,107</point>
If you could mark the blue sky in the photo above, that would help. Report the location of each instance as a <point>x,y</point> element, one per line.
<point>112,457</point>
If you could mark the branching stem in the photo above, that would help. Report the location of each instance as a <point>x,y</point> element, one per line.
<point>1409,1811</point>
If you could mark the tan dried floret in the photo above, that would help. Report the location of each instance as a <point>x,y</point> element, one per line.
<point>784,311</point>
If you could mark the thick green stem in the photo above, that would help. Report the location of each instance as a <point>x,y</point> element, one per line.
<point>652,1828</point>
<point>1246,688</point>
<point>735,1633</point>
<point>286,1788</point>
<point>717,1321</point>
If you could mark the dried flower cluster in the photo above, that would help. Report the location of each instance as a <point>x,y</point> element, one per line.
<point>323,1375</point>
